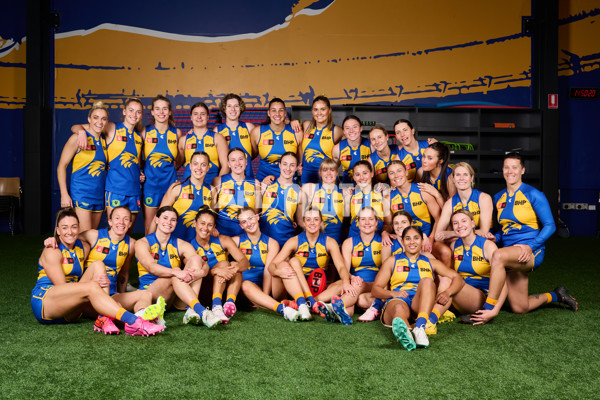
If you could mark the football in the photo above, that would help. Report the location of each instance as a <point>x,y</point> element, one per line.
<point>317,281</point>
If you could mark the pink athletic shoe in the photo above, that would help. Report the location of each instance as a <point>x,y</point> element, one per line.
<point>370,315</point>
<point>106,325</point>
<point>229,308</point>
<point>143,328</point>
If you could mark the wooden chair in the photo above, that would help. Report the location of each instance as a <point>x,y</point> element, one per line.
<point>10,199</point>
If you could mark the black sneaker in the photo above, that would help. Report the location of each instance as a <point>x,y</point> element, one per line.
<point>466,319</point>
<point>565,298</point>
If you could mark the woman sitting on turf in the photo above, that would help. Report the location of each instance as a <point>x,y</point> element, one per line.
<point>260,250</point>
<point>160,256</point>
<point>527,222</point>
<point>114,248</point>
<point>362,258</point>
<point>63,291</point>
<point>215,251</point>
<point>412,290</point>
<point>309,251</point>
<point>472,255</point>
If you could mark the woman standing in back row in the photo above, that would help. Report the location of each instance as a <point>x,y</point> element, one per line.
<point>320,136</point>
<point>124,143</point>
<point>89,170</point>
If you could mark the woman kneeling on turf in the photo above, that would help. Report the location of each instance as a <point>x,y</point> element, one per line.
<point>160,257</point>
<point>215,252</point>
<point>260,250</point>
<point>412,289</point>
<point>306,252</point>
<point>63,291</point>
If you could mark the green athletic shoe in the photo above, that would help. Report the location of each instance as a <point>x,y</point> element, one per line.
<point>402,334</point>
<point>447,317</point>
<point>156,310</point>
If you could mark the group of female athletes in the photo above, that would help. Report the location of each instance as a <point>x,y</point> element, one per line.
<point>418,236</point>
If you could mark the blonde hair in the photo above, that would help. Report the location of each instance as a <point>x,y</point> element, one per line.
<point>466,166</point>
<point>99,105</point>
<point>328,163</point>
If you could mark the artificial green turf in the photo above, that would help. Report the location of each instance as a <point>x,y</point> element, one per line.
<point>549,353</point>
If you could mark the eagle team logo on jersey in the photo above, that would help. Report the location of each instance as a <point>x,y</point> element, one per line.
<point>157,160</point>
<point>127,160</point>
<point>96,168</point>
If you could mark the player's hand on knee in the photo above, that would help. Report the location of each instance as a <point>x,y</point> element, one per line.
<point>443,298</point>
<point>526,253</point>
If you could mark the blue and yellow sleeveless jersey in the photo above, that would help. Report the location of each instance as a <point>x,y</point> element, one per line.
<point>123,175</point>
<point>349,156</point>
<point>189,201</point>
<point>331,204</point>
<point>112,254</point>
<point>271,146</point>
<point>232,197</point>
<point>437,182</point>
<point>312,256</point>
<point>366,257</point>
<point>380,165</point>
<point>472,264</point>
<point>525,217</point>
<point>407,273</point>
<point>256,253</point>
<point>206,143</point>
<point>472,205</point>
<point>72,265</point>
<point>317,145</point>
<point>212,254</point>
<point>160,152</point>
<point>167,257</point>
<point>239,137</point>
<point>413,161</point>
<point>397,248</point>
<point>361,200</point>
<point>89,171</point>
<point>279,210</point>
<point>414,204</point>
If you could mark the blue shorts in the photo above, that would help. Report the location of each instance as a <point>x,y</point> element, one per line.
<point>408,300</point>
<point>310,174</point>
<point>367,275</point>
<point>481,284</point>
<point>152,200</point>
<point>89,205</point>
<point>254,275</point>
<point>147,280</point>
<point>538,257</point>
<point>228,227</point>
<point>37,305</point>
<point>133,202</point>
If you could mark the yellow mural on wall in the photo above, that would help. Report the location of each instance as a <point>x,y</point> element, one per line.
<point>353,51</point>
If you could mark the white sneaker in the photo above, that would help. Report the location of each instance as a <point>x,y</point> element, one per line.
<point>209,318</point>
<point>370,315</point>
<point>191,317</point>
<point>421,339</point>
<point>304,312</point>
<point>219,313</point>
<point>290,314</point>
